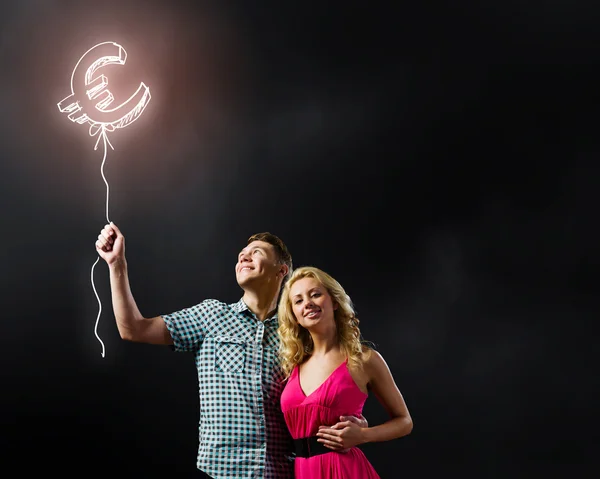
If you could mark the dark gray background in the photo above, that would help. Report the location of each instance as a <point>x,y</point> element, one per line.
<point>440,161</point>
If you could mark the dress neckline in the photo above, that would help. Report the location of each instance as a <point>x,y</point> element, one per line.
<point>320,385</point>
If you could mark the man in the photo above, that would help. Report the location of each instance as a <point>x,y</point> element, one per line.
<point>242,431</point>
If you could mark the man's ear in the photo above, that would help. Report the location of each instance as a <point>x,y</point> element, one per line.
<point>284,270</point>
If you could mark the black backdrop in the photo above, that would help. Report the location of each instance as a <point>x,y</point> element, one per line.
<point>440,161</point>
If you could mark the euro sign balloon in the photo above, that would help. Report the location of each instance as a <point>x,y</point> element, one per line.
<point>91,102</point>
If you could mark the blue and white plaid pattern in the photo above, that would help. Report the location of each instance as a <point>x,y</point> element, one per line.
<point>242,430</point>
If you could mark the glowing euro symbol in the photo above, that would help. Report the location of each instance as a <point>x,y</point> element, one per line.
<point>90,101</point>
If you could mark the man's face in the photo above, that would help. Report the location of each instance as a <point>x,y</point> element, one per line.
<point>257,263</point>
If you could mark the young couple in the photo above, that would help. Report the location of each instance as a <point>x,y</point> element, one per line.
<point>283,374</point>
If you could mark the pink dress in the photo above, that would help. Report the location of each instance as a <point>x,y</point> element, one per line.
<point>337,396</point>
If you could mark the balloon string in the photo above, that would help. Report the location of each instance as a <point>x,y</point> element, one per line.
<point>99,306</point>
<point>105,140</point>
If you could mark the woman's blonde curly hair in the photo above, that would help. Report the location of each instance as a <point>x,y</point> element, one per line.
<point>296,343</point>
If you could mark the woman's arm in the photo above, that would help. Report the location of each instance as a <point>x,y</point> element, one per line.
<point>382,383</point>
<point>347,434</point>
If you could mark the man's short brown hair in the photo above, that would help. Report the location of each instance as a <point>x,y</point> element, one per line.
<point>283,255</point>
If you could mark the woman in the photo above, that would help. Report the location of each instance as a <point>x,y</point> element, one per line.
<point>329,373</point>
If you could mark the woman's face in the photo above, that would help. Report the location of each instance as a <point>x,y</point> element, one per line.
<point>312,304</point>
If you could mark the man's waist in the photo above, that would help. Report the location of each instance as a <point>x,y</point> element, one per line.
<point>223,447</point>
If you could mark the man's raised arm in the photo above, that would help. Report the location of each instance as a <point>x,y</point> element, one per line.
<point>131,324</point>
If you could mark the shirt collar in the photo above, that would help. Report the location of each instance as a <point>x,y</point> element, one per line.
<point>241,307</point>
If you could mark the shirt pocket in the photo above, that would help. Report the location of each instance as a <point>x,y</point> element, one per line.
<point>230,354</point>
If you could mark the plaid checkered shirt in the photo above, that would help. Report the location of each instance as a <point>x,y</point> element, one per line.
<point>241,429</point>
